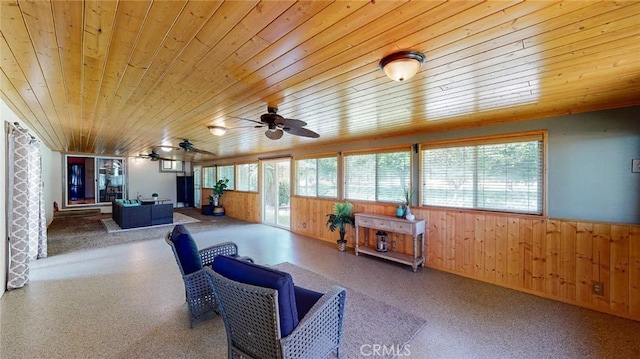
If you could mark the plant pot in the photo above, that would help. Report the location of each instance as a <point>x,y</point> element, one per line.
<point>342,246</point>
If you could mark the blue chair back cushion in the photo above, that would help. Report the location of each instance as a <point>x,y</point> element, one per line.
<point>248,273</point>
<point>305,299</point>
<point>186,249</point>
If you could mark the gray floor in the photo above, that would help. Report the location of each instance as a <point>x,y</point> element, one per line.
<point>127,301</point>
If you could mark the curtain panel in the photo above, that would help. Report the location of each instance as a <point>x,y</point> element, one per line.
<point>26,219</point>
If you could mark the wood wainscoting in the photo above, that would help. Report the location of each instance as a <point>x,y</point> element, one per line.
<point>552,258</point>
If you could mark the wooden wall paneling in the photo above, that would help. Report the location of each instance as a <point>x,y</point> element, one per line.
<point>634,271</point>
<point>458,238</point>
<point>619,294</point>
<point>567,258</point>
<point>515,255</point>
<point>526,238</point>
<point>501,249</point>
<point>552,258</point>
<point>469,243</point>
<point>439,219</point>
<point>538,269</point>
<point>601,260</point>
<point>490,248</point>
<point>584,261</point>
<point>478,246</point>
<point>450,242</point>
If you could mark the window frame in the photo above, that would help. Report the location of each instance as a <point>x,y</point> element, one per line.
<point>257,184</point>
<point>215,176</point>
<point>231,186</point>
<point>518,137</point>
<point>393,149</point>
<point>316,158</point>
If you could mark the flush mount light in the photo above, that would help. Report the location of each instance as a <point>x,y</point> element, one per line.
<point>165,148</point>
<point>402,65</point>
<point>217,130</point>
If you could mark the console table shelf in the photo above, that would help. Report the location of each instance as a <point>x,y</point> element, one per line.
<point>414,228</point>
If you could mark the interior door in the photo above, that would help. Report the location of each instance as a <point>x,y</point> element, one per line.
<point>276,192</point>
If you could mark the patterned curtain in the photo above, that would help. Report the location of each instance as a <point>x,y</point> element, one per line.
<point>26,219</point>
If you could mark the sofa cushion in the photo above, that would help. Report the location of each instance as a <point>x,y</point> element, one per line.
<point>186,249</point>
<point>249,273</point>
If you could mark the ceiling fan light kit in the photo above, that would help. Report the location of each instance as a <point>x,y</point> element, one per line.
<point>403,65</point>
<point>217,130</point>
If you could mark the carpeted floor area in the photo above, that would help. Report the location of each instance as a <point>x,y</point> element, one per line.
<point>178,218</point>
<point>74,233</point>
<point>368,321</point>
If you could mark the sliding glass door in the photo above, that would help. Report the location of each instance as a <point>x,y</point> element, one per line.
<point>93,180</point>
<point>276,177</point>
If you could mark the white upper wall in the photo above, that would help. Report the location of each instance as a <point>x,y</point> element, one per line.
<point>144,178</point>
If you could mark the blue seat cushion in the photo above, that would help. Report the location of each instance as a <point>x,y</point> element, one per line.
<point>249,273</point>
<point>305,299</point>
<point>186,249</point>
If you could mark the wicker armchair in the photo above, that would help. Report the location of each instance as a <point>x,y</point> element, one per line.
<point>191,261</point>
<point>252,316</point>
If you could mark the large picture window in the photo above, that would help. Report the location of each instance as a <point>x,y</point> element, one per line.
<point>227,172</point>
<point>504,174</point>
<point>247,177</point>
<point>317,177</point>
<point>382,177</point>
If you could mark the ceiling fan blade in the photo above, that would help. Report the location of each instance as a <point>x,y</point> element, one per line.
<point>246,119</point>
<point>203,152</point>
<point>290,122</point>
<point>274,134</point>
<point>301,131</point>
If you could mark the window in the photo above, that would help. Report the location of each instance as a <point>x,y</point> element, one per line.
<point>227,172</point>
<point>247,177</point>
<point>377,176</point>
<point>208,177</point>
<point>499,174</point>
<point>317,177</point>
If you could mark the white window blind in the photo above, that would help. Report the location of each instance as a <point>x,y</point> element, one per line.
<point>317,177</point>
<point>377,176</point>
<point>247,177</point>
<point>208,177</point>
<point>494,176</point>
<point>227,172</point>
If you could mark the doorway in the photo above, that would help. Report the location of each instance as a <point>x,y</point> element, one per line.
<point>276,192</point>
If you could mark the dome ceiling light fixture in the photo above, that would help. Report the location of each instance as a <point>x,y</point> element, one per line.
<point>217,130</point>
<point>402,65</point>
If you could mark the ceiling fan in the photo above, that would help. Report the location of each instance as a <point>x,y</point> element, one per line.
<point>153,156</point>
<point>276,125</point>
<point>188,147</point>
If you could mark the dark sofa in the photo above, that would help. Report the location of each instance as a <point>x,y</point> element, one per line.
<point>132,216</point>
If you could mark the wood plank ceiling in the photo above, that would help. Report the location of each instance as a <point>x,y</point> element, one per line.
<point>123,77</point>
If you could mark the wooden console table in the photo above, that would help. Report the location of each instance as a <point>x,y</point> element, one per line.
<point>380,222</point>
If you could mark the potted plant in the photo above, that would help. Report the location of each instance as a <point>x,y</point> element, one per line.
<point>341,216</point>
<point>408,194</point>
<point>218,191</point>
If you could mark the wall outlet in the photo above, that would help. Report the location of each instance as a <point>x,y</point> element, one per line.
<point>597,288</point>
<point>394,244</point>
<point>635,166</point>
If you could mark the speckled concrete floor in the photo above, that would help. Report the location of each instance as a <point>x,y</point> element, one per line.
<point>127,301</point>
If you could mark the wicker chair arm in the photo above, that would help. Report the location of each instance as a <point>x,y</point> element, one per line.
<point>319,333</point>
<point>209,253</point>
<point>195,276</point>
